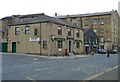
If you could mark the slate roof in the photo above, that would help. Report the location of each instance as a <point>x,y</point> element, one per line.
<point>42,18</point>
<point>84,15</point>
<point>88,32</point>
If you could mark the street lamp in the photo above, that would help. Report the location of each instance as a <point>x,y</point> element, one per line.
<point>52,37</point>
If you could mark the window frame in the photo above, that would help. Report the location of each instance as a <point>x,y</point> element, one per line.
<point>102,39</point>
<point>59,30</point>
<point>102,21</point>
<point>45,46</point>
<point>69,32</point>
<point>35,31</point>
<point>77,33</point>
<point>27,29</point>
<point>87,22</point>
<point>86,40</point>
<point>102,30</point>
<point>17,32</point>
<point>77,44</point>
<point>95,21</point>
<point>80,23</point>
<point>59,44</point>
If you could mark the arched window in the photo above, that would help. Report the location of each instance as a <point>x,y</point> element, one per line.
<point>77,33</point>
<point>69,32</point>
<point>59,30</point>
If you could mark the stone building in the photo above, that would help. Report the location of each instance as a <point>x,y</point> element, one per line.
<point>104,24</point>
<point>44,35</point>
<point>90,41</point>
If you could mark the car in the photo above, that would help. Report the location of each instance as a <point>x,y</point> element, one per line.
<point>113,51</point>
<point>102,51</point>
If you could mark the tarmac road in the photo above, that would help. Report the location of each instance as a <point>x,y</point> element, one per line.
<point>22,67</point>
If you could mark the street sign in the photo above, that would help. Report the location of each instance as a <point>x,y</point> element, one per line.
<point>34,39</point>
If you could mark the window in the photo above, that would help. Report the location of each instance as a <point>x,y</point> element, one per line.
<point>59,44</point>
<point>77,44</point>
<point>17,30</point>
<point>44,44</point>
<point>95,21</point>
<point>35,31</point>
<point>114,30</point>
<point>77,33</point>
<point>102,39</point>
<point>101,30</point>
<point>71,20</point>
<point>101,21</point>
<point>86,40</point>
<point>59,30</point>
<point>87,21</point>
<point>27,29</point>
<point>69,32</point>
<point>114,40</point>
<point>89,40</point>
<point>96,40</point>
<point>80,23</point>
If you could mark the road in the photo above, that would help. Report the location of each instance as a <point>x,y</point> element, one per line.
<point>21,67</point>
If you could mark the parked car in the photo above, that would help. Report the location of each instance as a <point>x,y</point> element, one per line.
<point>102,51</point>
<point>113,51</point>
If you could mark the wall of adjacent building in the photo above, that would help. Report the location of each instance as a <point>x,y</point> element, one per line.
<point>114,25</point>
<point>110,36</point>
<point>45,30</point>
<point>23,44</point>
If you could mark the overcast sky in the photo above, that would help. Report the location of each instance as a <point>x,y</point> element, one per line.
<point>49,7</point>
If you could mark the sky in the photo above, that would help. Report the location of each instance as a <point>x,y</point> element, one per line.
<point>50,7</point>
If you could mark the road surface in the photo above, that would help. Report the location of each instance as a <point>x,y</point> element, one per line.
<point>22,67</point>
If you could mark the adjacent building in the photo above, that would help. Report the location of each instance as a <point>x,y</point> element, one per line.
<point>119,34</point>
<point>104,24</point>
<point>3,39</point>
<point>90,41</point>
<point>44,35</point>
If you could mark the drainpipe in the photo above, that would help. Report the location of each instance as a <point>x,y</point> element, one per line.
<point>40,39</point>
<point>49,51</point>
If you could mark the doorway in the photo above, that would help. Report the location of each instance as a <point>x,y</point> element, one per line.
<point>13,47</point>
<point>69,46</point>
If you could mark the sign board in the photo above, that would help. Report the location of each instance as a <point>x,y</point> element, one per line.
<point>87,45</point>
<point>34,39</point>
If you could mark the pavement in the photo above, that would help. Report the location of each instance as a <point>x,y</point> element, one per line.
<point>54,57</point>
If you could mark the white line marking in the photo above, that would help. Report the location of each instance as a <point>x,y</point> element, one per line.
<point>40,69</point>
<point>35,59</point>
<point>91,78</point>
<point>29,78</point>
<point>76,69</point>
<point>51,71</point>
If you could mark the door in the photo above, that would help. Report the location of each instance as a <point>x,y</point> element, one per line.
<point>4,47</point>
<point>13,47</point>
<point>70,46</point>
<point>86,49</point>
